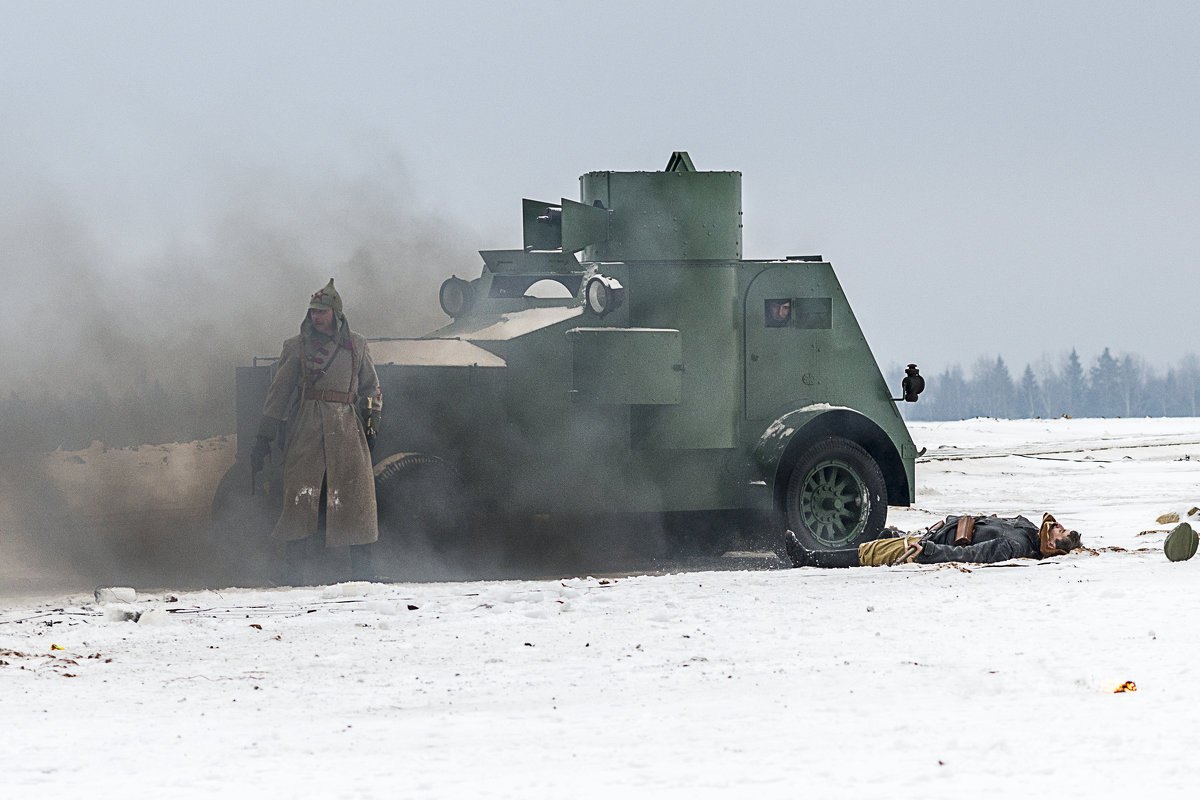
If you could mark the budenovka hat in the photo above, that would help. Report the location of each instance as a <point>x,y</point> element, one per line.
<point>1181,543</point>
<point>327,298</point>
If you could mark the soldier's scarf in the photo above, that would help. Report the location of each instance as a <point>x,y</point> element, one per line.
<point>319,349</point>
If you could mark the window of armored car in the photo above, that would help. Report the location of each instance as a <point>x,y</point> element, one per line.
<point>810,313</point>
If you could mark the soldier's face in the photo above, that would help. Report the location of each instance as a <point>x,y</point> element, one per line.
<point>1061,536</point>
<point>322,319</point>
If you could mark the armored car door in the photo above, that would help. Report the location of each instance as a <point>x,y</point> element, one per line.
<point>789,321</point>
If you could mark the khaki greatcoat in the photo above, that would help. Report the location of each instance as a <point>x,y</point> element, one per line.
<point>325,441</point>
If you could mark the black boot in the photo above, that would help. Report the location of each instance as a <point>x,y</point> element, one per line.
<point>293,562</point>
<point>803,557</point>
<point>834,558</point>
<point>795,550</point>
<point>360,563</point>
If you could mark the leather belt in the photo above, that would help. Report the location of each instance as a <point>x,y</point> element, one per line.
<point>328,396</point>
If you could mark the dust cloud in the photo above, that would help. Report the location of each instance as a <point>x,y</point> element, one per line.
<point>130,342</point>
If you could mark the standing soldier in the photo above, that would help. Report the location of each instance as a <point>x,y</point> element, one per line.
<point>327,474</point>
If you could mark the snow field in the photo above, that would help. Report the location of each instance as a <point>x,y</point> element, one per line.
<point>913,681</point>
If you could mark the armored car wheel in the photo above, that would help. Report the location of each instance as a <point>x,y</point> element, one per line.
<point>423,510</point>
<point>836,496</point>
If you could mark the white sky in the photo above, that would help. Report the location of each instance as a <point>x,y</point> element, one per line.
<point>1033,164</point>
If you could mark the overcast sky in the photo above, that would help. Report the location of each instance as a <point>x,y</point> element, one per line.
<point>988,178</point>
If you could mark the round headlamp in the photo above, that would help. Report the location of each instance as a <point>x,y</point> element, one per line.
<point>603,295</point>
<point>455,296</point>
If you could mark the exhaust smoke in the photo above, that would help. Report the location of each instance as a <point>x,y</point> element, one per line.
<point>121,357</point>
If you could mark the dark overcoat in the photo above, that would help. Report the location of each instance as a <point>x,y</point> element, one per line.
<point>325,439</point>
<point>995,539</point>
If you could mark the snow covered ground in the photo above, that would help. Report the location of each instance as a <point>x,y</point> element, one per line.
<point>911,681</point>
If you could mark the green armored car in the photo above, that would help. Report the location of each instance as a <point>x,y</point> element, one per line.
<point>627,361</point>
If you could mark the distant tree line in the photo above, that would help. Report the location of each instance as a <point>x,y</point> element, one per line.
<point>1111,386</point>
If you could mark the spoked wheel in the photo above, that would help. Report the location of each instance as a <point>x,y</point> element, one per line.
<point>836,496</point>
<point>424,513</point>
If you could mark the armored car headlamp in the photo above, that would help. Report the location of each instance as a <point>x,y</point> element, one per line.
<point>455,296</point>
<point>603,295</point>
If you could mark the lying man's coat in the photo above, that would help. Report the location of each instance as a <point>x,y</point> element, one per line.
<point>994,539</point>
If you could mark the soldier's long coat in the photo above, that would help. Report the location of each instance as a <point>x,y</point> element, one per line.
<point>325,440</point>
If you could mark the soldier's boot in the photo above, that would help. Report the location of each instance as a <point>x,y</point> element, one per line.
<point>834,558</point>
<point>803,557</point>
<point>361,563</point>
<point>294,551</point>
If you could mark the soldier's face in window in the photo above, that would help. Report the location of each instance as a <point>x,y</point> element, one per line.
<point>779,313</point>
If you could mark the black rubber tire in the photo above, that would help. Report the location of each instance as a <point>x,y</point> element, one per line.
<point>836,496</point>
<point>423,510</point>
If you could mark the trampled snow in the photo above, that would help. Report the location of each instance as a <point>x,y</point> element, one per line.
<point>910,681</point>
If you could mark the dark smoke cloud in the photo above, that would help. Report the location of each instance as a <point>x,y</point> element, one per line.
<point>131,345</point>
<point>132,341</point>
<point>96,328</point>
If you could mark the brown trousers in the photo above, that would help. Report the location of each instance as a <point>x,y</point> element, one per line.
<point>882,552</point>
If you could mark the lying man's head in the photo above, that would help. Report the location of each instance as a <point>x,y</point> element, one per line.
<point>1055,540</point>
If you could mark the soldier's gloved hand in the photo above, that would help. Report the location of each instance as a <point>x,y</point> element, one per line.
<point>370,414</point>
<point>259,453</point>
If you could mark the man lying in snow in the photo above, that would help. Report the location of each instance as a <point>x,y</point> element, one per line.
<point>979,540</point>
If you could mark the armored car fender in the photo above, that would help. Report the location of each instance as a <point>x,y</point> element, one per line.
<point>832,472</point>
